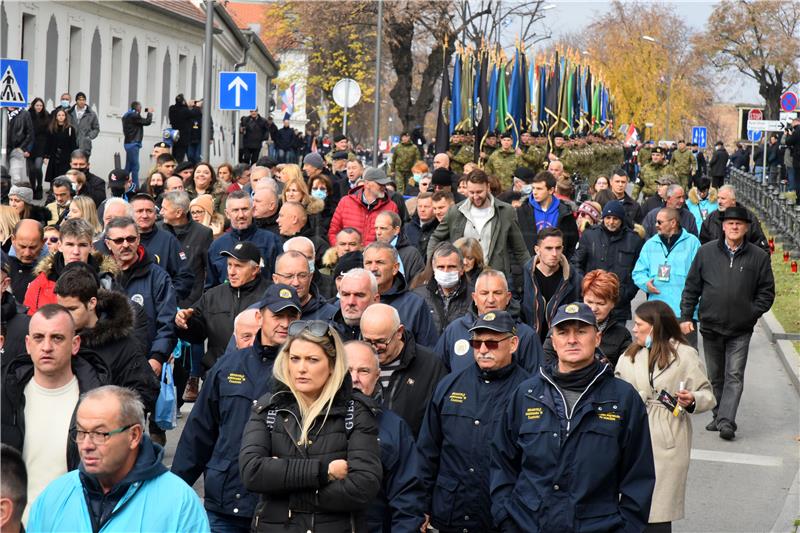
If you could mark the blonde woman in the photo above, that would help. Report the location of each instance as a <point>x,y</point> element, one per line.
<point>201,209</point>
<point>295,190</point>
<point>83,207</point>
<point>291,171</point>
<point>310,449</point>
<point>8,219</point>
<point>473,257</point>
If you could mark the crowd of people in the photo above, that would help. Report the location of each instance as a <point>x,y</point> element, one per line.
<point>432,348</point>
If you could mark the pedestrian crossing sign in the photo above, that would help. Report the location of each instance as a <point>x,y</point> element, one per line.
<point>14,83</point>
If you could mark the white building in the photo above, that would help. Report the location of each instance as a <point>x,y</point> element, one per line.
<point>120,51</point>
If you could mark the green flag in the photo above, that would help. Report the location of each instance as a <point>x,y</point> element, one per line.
<point>502,99</point>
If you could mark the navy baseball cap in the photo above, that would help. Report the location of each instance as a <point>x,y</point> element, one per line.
<point>575,311</point>
<point>279,297</point>
<point>499,321</point>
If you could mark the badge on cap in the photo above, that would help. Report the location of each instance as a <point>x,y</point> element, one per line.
<point>488,317</point>
<point>285,293</point>
<point>238,246</point>
<point>461,347</point>
<point>572,309</point>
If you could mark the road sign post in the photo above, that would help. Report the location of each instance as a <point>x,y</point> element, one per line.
<point>700,136</point>
<point>346,94</point>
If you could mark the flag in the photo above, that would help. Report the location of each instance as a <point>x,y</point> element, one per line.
<point>553,92</point>
<point>482,125</point>
<point>502,98</point>
<point>531,98</point>
<point>514,90</point>
<point>455,96</point>
<point>287,100</point>
<point>443,117</point>
<point>631,136</point>
<point>493,97</point>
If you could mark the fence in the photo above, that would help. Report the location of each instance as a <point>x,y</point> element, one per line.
<point>772,206</point>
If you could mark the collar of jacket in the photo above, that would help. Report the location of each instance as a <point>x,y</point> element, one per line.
<point>179,230</point>
<point>466,205</point>
<point>564,266</point>
<point>727,251</point>
<point>266,353</point>
<point>498,374</point>
<point>409,351</point>
<point>398,286</point>
<point>246,233</point>
<point>462,286</point>
<point>139,268</point>
<point>282,397</point>
<point>114,320</point>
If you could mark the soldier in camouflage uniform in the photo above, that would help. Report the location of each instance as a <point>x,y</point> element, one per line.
<point>489,146</point>
<point>650,173</point>
<point>462,154</point>
<point>683,164</point>
<point>404,155</point>
<point>530,154</point>
<point>503,162</point>
<point>340,144</point>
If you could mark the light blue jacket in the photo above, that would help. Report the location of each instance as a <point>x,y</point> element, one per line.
<point>653,254</point>
<point>701,208</point>
<point>163,503</point>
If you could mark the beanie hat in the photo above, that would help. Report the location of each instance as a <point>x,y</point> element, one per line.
<point>25,194</point>
<point>614,209</point>
<point>315,160</point>
<point>442,177</point>
<point>206,201</point>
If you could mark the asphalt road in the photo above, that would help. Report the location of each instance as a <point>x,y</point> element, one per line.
<point>738,486</point>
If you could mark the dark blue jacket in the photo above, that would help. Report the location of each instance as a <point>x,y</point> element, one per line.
<point>268,243</point>
<point>150,286</point>
<point>414,313</point>
<point>168,253</point>
<point>212,438</point>
<point>456,353</point>
<point>399,504</point>
<point>460,421</point>
<point>591,471</point>
<point>318,308</point>
<point>536,312</point>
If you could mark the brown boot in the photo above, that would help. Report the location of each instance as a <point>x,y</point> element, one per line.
<point>192,388</point>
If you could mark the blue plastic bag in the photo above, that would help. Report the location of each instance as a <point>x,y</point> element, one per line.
<point>167,404</point>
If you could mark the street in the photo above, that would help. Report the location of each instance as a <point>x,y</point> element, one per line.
<point>738,486</point>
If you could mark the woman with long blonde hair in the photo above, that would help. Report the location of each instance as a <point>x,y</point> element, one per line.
<point>83,207</point>
<point>310,448</point>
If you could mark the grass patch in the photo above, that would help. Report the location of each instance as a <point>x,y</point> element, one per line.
<point>787,295</point>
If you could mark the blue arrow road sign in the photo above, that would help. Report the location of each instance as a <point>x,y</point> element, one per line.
<point>237,91</point>
<point>699,136</point>
<point>754,136</point>
<point>13,83</point>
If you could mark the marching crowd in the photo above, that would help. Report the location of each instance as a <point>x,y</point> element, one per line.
<point>435,348</point>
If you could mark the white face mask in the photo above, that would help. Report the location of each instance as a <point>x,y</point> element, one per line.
<point>447,280</point>
<point>526,189</point>
<point>311,266</point>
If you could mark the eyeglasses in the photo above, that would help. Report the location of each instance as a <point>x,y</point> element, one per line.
<point>130,239</point>
<point>53,240</point>
<point>490,344</point>
<point>318,328</point>
<point>300,276</point>
<point>98,437</point>
<point>380,342</point>
<point>659,222</point>
<point>197,211</point>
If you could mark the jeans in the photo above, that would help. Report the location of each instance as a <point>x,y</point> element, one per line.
<point>792,177</point>
<point>196,360</point>
<point>194,153</point>
<point>132,161</point>
<point>726,358</point>
<point>224,523</point>
<point>286,156</point>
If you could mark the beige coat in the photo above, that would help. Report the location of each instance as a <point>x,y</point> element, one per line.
<point>671,435</point>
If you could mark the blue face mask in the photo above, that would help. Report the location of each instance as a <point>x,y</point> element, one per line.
<point>319,193</point>
<point>65,103</point>
<point>648,342</point>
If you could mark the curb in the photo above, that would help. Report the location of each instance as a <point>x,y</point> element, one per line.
<point>784,348</point>
<point>789,513</point>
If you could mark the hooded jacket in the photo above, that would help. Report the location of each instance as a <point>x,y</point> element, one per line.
<point>148,285</point>
<point>351,212</point>
<point>712,229</point>
<point>702,208</point>
<point>558,215</point>
<point>195,239</point>
<point>318,308</point>
<point>538,313</point>
<point>267,242</point>
<point>41,290</point>
<point>296,495</point>
<point>460,302</point>
<point>212,437</point>
<point>129,506</point>
<point>414,313</point>
<point>112,338</point>
<point>87,366</point>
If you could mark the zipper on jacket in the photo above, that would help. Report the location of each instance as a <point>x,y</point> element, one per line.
<point>569,412</point>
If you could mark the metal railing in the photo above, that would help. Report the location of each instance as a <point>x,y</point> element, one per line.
<point>773,207</point>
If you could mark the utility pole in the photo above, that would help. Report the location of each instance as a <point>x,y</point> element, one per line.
<point>205,132</point>
<point>376,115</point>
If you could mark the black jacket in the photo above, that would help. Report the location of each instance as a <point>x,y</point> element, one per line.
<point>566,223</point>
<point>413,264</point>
<point>633,210</point>
<point>419,234</point>
<point>536,311</point>
<point>95,188</point>
<point>718,163</point>
<point>284,139</point>
<point>21,275</point>
<point>598,248</point>
<point>133,126</point>
<point>60,144</point>
<point>460,303</point>
<point>413,382</point>
<point>15,319</point>
<point>414,312</point>
<point>712,229</point>
<point>113,339</point>
<point>180,118</point>
<point>40,125</point>
<point>733,292</point>
<point>20,132</point>
<point>214,313</point>
<point>792,140</point>
<point>195,239</point>
<point>88,367</point>
<point>292,481</point>
<point>254,132</point>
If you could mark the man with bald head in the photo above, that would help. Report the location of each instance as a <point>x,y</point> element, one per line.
<point>256,174</point>
<point>27,242</point>
<point>245,327</point>
<point>293,222</point>
<point>711,229</point>
<point>409,371</point>
<point>265,209</point>
<point>441,161</point>
<point>292,268</point>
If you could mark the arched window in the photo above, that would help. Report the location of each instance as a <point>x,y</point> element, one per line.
<point>166,84</point>
<point>95,70</point>
<point>133,73</point>
<point>51,61</point>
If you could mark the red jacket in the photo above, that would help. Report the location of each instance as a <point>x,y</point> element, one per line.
<point>352,213</point>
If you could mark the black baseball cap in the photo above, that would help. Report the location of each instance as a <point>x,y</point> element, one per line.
<point>575,311</point>
<point>118,175</point>
<point>524,174</point>
<point>244,251</point>
<point>499,321</point>
<point>279,297</point>
<point>338,156</point>
<point>348,262</point>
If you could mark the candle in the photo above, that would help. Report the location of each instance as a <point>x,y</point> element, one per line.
<point>794,267</point>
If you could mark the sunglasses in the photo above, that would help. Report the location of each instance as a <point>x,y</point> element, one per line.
<point>317,328</point>
<point>490,344</point>
<point>130,239</point>
<point>53,240</point>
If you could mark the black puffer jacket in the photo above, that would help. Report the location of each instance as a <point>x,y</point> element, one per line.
<point>712,229</point>
<point>292,480</point>
<point>113,340</point>
<point>459,305</point>
<point>88,367</point>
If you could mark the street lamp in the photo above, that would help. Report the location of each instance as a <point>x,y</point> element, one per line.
<point>669,78</point>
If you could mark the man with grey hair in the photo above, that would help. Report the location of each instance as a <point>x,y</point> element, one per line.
<point>239,210</point>
<point>358,289</point>
<point>388,228</point>
<point>676,199</point>
<point>119,464</point>
<point>409,371</point>
<point>711,229</point>
<point>245,327</point>
<point>448,292</point>
<point>265,209</point>
<point>382,260</point>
